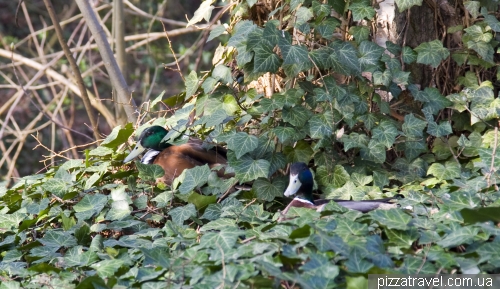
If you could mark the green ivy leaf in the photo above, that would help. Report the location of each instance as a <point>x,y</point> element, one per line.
<point>242,143</point>
<point>431,53</point>
<point>58,239</point>
<point>217,31</point>
<point>223,74</point>
<point>463,235</point>
<point>370,54</point>
<point>181,214</point>
<point>163,199</point>
<point>248,169</point>
<point>327,27</point>
<point>89,206</point>
<point>448,171</point>
<point>407,4</point>
<point>223,240</point>
<point>392,218</point>
<point>385,133</point>
<point>265,59</point>
<point>375,151</point>
<point>203,12</point>
<point>382,78</point>
<point>321,125</point>
<point>487,156</point>
<point>439,130</point>
<point>361,11</point>
<point>57,187</point>
<point>360,33</point>
<point>201,201</point>
<point>195,177</point>
<point>297,116</point>
<point>409,55</point>
<point>191,83</point>
<point>118,136</point>
<point>149,172</point>
<point>107,268</point>
<point>266,190</point>
<point>302,152</point>
<point>472,7</point>
<point>413,127</point>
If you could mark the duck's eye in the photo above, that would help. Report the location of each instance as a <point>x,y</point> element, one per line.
<point>295,181</point>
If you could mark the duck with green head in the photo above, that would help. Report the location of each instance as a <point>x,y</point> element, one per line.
<point>174,159</point>
<point>301,183</point>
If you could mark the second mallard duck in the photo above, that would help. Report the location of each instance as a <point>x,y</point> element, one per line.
<point>301,183</point>
<point>175,159</point>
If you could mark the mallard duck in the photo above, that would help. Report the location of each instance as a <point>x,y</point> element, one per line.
<point>301,183</point>
<point>174,159</point>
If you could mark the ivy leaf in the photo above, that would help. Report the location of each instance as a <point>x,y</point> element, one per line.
<point>407,4</point>
<point>248,169</point>
<point>90,205</point>
<point>344,58</point>
<point>286,134</point>
<point>223,240</point>
<point>222,73</point>
<point>149,172</point>
<point>302,152</point>
<point>463,235</point>
<point>431,53</point>
<point>58,239</point>
<point>436,101</point>
<point>485,50</point>
<point>361,11</point>
<point>118,136</point>
<point>491,20</point>
<point>413,127</point>
<point>191,83</point>
<point>439,130</point>
<point>360,33</point>
<point>216,32</point>
<point>57,187</point>
<point>374,152</point>
<point>382,78</point>
<point>293,54</point>
<point>265,59</point>
<point>450,170</point>
<point>392,218</point>
<point>414,148</point>
<point>327,27</point>
<point>163,199</point>
<point>203,12</point>
<point>297,116</point>
<point>321,125</point>
<point>212,212</point>
<point>201,201</point>
<point>385,133</point>
<point>195,177</point>
<point>107,268</point>
<point>181,214</point>
<point>266,190</point>
<point>335,179</point>
<point>409,55</point>
<point>472,7</point>
<point>370,54</point>
<point>242,143</point>
<point>487,156</point>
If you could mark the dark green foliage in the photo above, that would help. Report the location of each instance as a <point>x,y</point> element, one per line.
<point>97,223</point>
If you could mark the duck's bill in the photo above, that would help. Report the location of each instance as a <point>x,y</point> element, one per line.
<point>293,186</point>
<point>134,153</point>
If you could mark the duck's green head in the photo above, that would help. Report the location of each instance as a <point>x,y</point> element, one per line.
<point>301,181</point>
<point>150,138</point>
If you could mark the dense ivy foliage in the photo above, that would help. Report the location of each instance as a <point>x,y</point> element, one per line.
<point>95,223</point>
